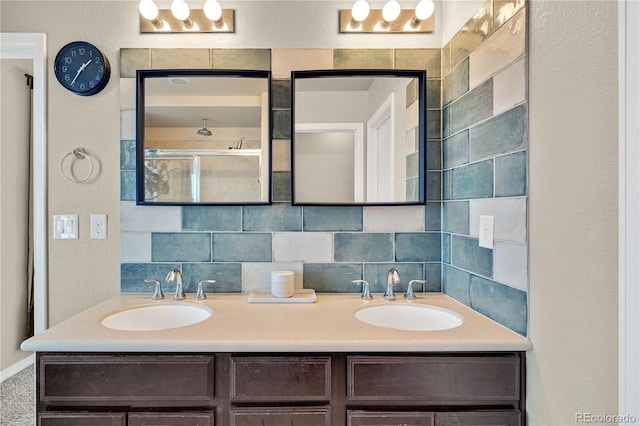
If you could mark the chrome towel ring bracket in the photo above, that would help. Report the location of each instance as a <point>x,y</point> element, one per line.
<point>79,154</point>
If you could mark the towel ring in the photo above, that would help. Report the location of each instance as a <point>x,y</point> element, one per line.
<point>80,155</point>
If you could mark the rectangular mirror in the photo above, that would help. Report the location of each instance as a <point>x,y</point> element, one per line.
<point>358,137</point>
<point>203,137</point>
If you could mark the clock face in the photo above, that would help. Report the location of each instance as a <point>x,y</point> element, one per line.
<point>81,68</point>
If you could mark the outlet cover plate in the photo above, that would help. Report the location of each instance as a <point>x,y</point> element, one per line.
<point>486,232</point>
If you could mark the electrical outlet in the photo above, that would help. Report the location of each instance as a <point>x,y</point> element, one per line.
<point>98,226</point>
<point>486,232</point>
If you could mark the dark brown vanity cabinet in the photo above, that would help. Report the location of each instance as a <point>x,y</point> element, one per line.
<point>135,389</point>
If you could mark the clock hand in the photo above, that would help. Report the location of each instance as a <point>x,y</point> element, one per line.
<point>79,71</point>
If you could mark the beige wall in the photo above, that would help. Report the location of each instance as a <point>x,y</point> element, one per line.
<point>14,181</point>
<point>573,145</point>
<point>573,210</point>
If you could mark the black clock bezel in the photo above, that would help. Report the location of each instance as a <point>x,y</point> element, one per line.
<point>105,76</point>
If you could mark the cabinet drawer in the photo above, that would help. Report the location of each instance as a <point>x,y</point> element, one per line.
<point>280,379</point>
<point>281,416</point>
<point>479,418</point>
<point>383,418</point>
<point>205,418</point>
<point>130,380</point>
<point>434,378</point>
<point>81,419</point>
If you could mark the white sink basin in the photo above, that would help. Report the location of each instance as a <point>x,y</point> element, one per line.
<point>409,317</point>
<point>156,317</point>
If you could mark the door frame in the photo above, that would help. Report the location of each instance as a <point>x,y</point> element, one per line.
<point>34,46</point>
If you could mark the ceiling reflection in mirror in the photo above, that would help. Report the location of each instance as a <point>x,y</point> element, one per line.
<point>203,137</point>
<point>358,137</point>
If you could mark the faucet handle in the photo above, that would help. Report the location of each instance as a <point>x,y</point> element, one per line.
<point>200,294</point>
<point>366,293</point>
<point>410,294</point>
<point>157,293</point>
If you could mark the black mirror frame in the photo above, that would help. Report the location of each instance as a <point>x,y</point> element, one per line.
<point>140,106</point>
<point>420,75</point>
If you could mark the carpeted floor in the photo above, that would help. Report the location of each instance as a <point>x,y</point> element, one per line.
<point>17,399</point>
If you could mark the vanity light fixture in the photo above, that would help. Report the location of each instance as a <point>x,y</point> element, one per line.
<point>390,19</point>
<point>180,18</point>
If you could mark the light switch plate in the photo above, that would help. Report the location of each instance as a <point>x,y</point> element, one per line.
<point>486,232</point>
<point>65,227</point>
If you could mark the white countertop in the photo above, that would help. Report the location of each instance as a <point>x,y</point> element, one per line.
<point>328,325</point>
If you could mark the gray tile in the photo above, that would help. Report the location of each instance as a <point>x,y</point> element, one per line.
<point>472,181</point>
<point>419,59</point>
<point>446,184</point>
<point>127,155</point>
<point>180,247</point>
<point>276,217</point>
<point>446,131</point>
<point>456,283</point>
<point>446,58</point>
<point>446,248</point>
<point>127,185</point>
<point>132,60</point>
<point>210,218</point>
<point>472,108</point>
<point>281,186</point>
<point>434,155</point>
<point>180,59</point>
<point>363,59</point>
<point>362,247</point>
<point>418,247</point>
<point>468,255</point>
<point>282,124</point>
<point>242,247</point>
<point>411,92</point>
<point>434,125</point>
<point>376,275</point>
<point>344,218</point>
<point>511,175</point>
<point>412,164</point>
<point>456,83</point>
<point>500,134</point>
<point>503,304</point>
<point>241,59</point>
<point>412,189</point>
<point>456,150</point>
<point>434,186</point>
<point>332,277</point>
<point>281,94</point>
<point>432,217</point>
<point>132,276</point>
<point>228,277</point>
<point>456,217</point>
<point>433,94</point>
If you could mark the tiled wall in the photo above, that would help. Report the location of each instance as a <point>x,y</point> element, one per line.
<point>484,163</point>
<point>476,98</point>
<point>238,246</point>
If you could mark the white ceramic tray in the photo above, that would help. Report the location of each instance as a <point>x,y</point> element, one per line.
<point>299,296</point>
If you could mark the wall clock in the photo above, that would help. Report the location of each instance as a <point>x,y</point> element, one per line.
<point>82,68</point>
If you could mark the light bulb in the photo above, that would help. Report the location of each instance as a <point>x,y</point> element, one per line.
<point>424,9</point>
<point>360,10</point>
<point>391,11</point>
<point>180,9</point>
<point>213,10</point>
<point>148,9</point>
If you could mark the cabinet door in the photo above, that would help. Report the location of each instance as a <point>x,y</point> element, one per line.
<point>205,418</point>
<point>270,379</point>
<point>479,418</point>
<point>281,416</point>
<point>126,380</point>
<point>81,419</point>
<point>384,418</point>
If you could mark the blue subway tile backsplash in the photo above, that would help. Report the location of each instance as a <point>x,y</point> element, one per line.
<point>277,217</point>
<point>498,135</point>
<point>363,247</point>
<point>242,247</point>
<point>207,218</point>
<point>343,218</point>
<point>472,181</point>
<point>511,175</point>
<point>502,303</point>
<point>418,247</point>
<point>180,247</point>
<point>228,277</point>
<point>468,255</point>
<point>332,277</point>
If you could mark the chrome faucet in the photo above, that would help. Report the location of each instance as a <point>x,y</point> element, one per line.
<point>392,278</point>
<point>410,294</point>
<point>176,275</point>
<point>366,293</point>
